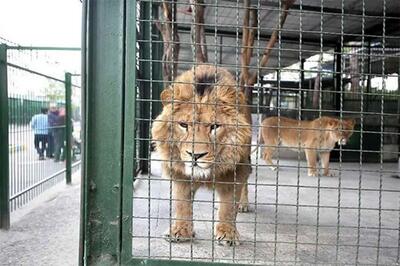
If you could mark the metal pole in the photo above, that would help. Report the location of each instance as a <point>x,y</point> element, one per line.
<point>108,132</point>
<point>302,85</point>
<point>84,184</point>
<point>398,119</point>
<point>68,128</point>
<point>368,78</point>
<point>4,171</point>
<point>338,75</point>
<point>129,145</point>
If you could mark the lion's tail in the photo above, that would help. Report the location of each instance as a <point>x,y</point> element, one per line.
<point>260,140</point>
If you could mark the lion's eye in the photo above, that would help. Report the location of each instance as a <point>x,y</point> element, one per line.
<point>214,127</point>
<point>183,125</point>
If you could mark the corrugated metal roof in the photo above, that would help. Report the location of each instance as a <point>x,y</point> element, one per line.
<point>353,22</point>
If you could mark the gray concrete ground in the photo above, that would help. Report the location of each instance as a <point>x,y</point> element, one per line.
<point>45,231</point>
<point>286,220</point>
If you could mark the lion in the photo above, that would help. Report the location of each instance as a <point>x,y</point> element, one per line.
<point>316,136</point>
<point>203,137</point>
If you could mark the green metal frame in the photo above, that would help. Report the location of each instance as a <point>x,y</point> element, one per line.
<point>4,179</point>
<point>129,169</point>
<point>68,128</point>
<point>109,104</point>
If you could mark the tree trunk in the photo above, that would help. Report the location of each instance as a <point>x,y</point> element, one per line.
<point>274,37</point>
<point>247,42</point>
<point>169,32</point>
<point>316,91</point>
<point>354,72</point>
<point>197,31</point>
<point>317,83</point>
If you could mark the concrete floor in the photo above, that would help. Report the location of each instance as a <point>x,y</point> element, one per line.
<point>45,231</point>
<point>307,225</point>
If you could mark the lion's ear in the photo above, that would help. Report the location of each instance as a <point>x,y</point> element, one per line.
<point>242,98</point>
<point>350,121</point>
<point>333,123</point>
<point>166,96</point>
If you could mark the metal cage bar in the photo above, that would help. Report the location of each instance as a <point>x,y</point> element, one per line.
<point>4,149</point>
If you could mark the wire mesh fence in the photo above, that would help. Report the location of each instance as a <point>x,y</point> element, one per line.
<point>39,110</point>
<point>287,112</point>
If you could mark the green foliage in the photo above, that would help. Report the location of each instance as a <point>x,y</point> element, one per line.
<point>55,92</point>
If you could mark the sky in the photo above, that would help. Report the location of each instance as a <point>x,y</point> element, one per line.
<point>40,23</point>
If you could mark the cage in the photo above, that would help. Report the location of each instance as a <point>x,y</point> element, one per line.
<point>181,95</point>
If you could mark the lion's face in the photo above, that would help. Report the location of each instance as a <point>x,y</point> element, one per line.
<point>203,135</point>
<point>203,131</point>
<point>341,131</point>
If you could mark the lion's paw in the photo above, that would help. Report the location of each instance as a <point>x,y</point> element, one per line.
<point>312,173</point>
<point>226,234</point>
<point>273,168</point>
<point>329,174</point>
<point>180,233</point>
<point>243,207</point>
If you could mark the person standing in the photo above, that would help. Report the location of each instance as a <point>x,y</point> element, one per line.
<point>59,135</point>
<point>52,118</point>
<point>40,126</point>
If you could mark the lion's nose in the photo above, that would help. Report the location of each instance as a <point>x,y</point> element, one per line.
<point>197,156</point>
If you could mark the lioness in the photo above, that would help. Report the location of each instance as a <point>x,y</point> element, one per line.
<point>203,138</point>
<point>316,136</point>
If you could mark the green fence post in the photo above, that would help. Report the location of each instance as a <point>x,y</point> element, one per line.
<point>4,153</point>
<point>68,128</point>
<point>129,110</point>
<point>108,112</point>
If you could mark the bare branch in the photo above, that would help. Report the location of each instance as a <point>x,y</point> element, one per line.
<point>354,72</point>
<point>274,37</point>
<point>254,26</point>
<point>197,31</point>
<point>169,31</point>
<point>244,75</point>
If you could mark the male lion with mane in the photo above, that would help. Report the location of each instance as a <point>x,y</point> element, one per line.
<point>203,138</point>
<point>316,136</point>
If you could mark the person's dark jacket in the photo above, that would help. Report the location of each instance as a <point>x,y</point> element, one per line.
<point>60,121</point>
<point>53,119</point>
